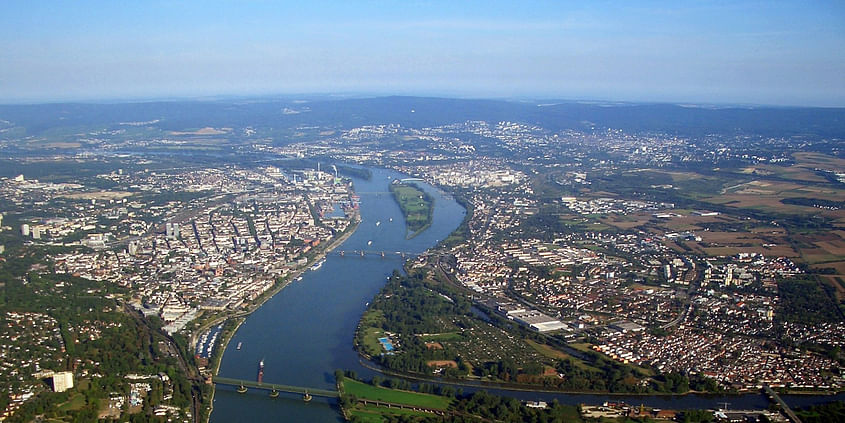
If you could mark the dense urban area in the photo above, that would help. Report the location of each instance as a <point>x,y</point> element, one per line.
<point>591,259</point>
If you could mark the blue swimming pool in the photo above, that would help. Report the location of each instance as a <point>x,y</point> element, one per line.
<point>385,342</point>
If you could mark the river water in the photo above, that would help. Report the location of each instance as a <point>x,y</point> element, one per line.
<point>305,331</point>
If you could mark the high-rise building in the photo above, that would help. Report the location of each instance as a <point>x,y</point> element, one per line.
<point>62,381</point>
<point>25,229</point>
<point>36,232</point>
<point>171,230</point>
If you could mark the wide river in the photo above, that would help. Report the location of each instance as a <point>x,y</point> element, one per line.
<point>305,331</point>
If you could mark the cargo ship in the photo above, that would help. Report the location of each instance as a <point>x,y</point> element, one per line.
<point>261,370</point>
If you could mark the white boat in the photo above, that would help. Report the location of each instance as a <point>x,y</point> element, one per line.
<point>369,242</point>
<point>239,345</point>
<point>378,223</point>
<point>317,265</point>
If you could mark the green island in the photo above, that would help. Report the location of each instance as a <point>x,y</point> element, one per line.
<point>417,207</point>
<point>433,331</point>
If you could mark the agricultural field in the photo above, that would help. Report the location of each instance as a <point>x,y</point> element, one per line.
<point>791,211</point>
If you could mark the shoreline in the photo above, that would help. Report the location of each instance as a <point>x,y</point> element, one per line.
<point>419,231</point>
<point>266,296</point>
<point>224,342</point>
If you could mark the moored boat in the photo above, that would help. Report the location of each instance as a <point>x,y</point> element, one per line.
<point>318,265</point>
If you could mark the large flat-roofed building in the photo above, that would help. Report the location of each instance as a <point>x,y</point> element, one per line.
<point>625,327</point>
<point>537,321</point>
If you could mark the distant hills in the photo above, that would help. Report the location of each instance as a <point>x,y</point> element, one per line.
<point>36,120</point>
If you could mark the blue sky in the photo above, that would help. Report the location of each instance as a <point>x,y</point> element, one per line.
<point>748,52</point>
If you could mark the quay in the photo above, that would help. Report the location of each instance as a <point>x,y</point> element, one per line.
<point>239,383</point>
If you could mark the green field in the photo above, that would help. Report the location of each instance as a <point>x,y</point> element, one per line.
<point>368,414</point>
<point>368,340</point>
<point>363,390</point>
<point>416,205</point>
<point>369,330</point>
<point>76,402</point>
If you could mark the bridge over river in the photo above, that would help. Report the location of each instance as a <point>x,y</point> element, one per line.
<point>239,383</point>
<point>783,406</point>
<point>370,253</point>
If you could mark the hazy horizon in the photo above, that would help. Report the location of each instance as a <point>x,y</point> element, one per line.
<point>317,96</point>
<point>723,53</point>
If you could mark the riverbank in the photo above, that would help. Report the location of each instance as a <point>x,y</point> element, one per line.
<point>304,331</point>
<point>217,359</point>
<point>266,296</point>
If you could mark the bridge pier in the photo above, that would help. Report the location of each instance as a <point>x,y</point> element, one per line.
<point>243,385</point>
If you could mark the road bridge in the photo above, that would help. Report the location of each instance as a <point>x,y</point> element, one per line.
<point>785,408</point>
<point>240,383</point>
<point>371,253</point>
